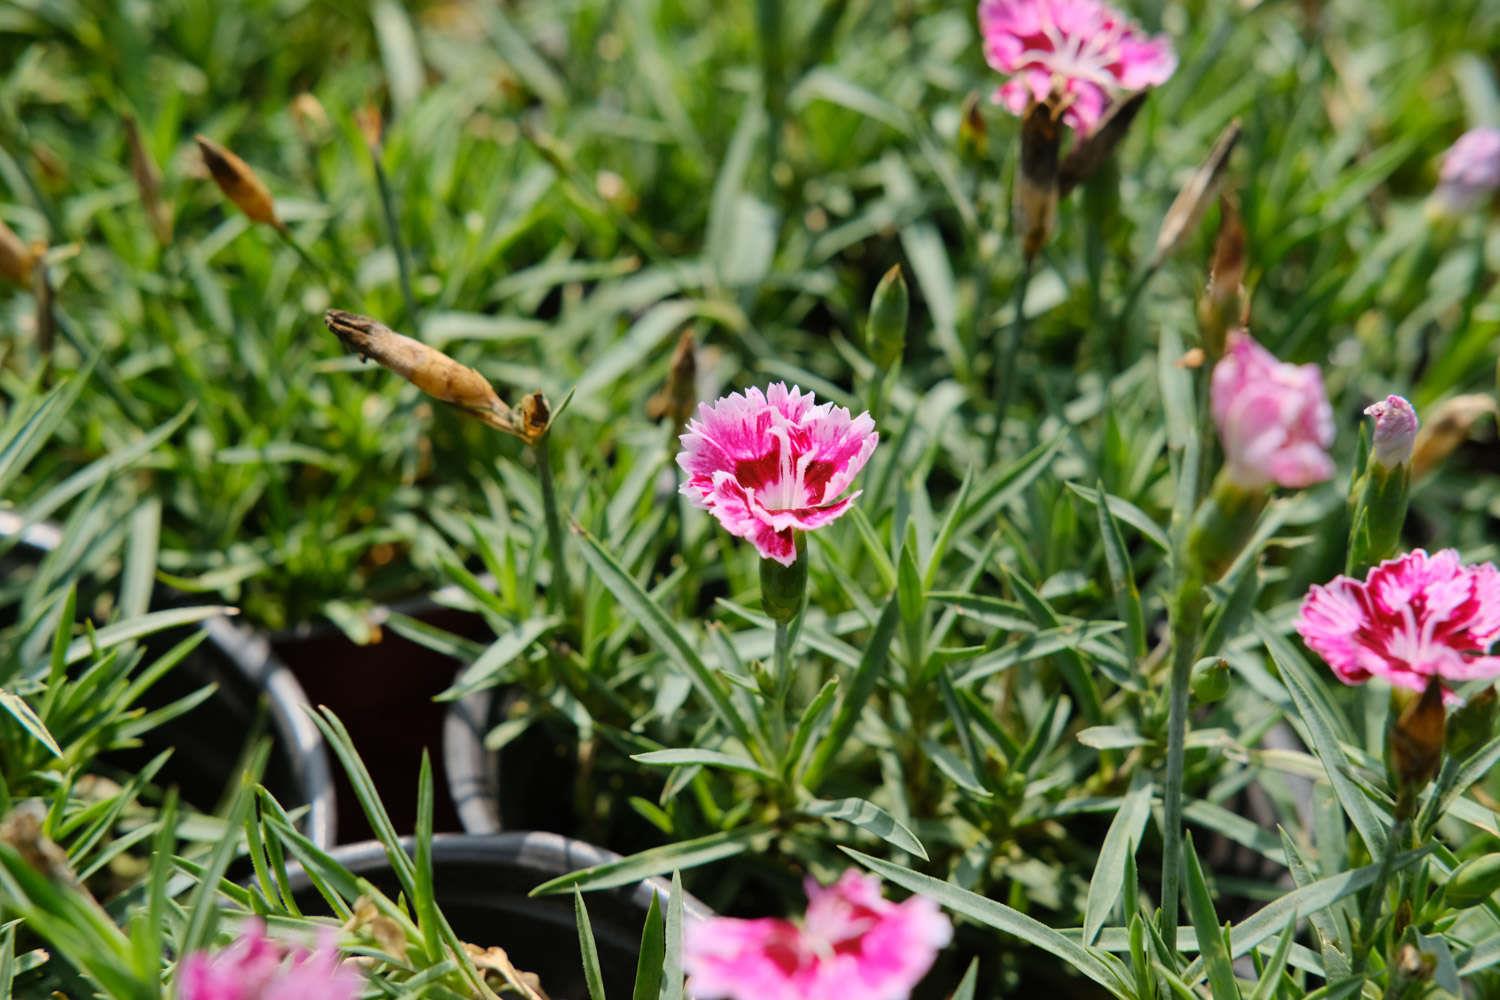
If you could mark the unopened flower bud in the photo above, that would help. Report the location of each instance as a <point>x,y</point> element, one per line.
<point>16,258</point>
<point>1470,173</point>
<point>1210,681</point>
<point>1447,428</point>
<point>1094,150</point>
<point>238,182</point>
<point>148,183</point>
<point>973,133</point>
<point>309,118</point>
<point>438,375</point>
<point>1472,724</point>
<point>1036,181</point>
<point>1187,208</point>
<point>782,588</point>
<point>1380,495</point>
<point>1223,304</point>
<point>1414,742</point>
<point>1473,882</point>
<point>885,332</point>
<point>1395,431</point>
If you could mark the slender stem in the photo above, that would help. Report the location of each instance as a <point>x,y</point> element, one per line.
<point>769,23</point>
<point>323,273</point>
<point>403,265</point>
<point>1370,911</point>
<point>558,593</point>
<point>1187,617</point>
<point>1005,361</point>
<point>1120,327</point>
<point>782,678</point>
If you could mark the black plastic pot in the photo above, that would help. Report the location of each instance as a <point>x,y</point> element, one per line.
<point>481,884</point>
<point>539,769</point>
<point>254,691</point>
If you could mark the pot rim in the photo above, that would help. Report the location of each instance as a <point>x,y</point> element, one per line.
<point>548,854</point>
<point>249,652</point>
<point>473,772</point>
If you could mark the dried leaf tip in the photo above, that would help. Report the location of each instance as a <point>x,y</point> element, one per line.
<point>238,182</point>
<point>676,399</point>
<point>148,183</point>
<point>438,375</point>
<point>17,260</point>
<point>310,118</point>
<point>1187,208</point>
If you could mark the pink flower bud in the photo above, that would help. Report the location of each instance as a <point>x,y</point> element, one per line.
<point>1470,172</point>
<point>1274,419</point>
<point>1395,430</point>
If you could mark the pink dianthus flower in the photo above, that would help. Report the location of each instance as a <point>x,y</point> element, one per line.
<point>1092,49</point>
<point>1412,619</point>
<point>1273,418</point>
<point>853,944</point>
<point>255,967</point>
<point>770,464</point>
<point>1471,170</point>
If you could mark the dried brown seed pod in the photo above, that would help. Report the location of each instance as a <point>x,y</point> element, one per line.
<point>1187,208</point>
<point>438,375</point>
<point>1036,181</point>
<point>238,182</point>
<point>677,398</point>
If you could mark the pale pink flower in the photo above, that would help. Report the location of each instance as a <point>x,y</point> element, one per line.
<point>1412,619</point>
<point>1471,170</point>
<point>770,464</point>
<point>1274,419</point>
<point>1091,49</point>
<point>1395,430</point>
<point>853,944</point>
<point>255,967</point>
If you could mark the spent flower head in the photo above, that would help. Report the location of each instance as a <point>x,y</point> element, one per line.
<point>769,464</point>
<point>1411,620</point>
<point>1273,418</point>
<point>1089,50</point>
<point>853,944</point>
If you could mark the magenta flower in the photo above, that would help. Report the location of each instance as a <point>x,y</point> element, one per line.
<point>1274,419</point>
<point>853,944</point>
<point>1395,430</point>
<point>255,967</point>
<point>1089,48</point>
<point>770,464</point>
<point>1471,170</point>
<point>1412,619</point>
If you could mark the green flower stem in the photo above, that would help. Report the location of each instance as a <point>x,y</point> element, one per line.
<point>558,593</point>
<point>1370,911</point>
<point>1005,362</point>
<point>1187,620</point>
<point>782,682</point>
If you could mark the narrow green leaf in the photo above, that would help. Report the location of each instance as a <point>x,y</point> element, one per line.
<point>1122,579</point>
<point>655,861</point>
<point>593,976</point>
<point>861,687</point>
<point>137,628</point>
<point>1215,955</point>
<point>649,615</point>
<point>22,713</point>
<point>1322,730</point>
<point>1120,843</point>
<point>649,961</point>
<point>997,915</point>
<point>869,817</point>
<point>688,756</point>
<point>672,981</point>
